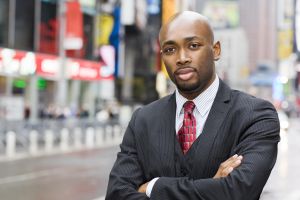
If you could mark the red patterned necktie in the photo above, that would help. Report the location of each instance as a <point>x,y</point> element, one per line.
<point>187,133</point>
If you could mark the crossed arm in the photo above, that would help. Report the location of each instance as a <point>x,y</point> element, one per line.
<point>237,178</point>
<point>224,170</point>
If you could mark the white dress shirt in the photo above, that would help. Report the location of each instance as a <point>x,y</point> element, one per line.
<point>203,104</point>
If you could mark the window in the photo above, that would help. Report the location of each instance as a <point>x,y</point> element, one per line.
<point>24,25</point>
<point>48,28</point>
<point>4,22</point>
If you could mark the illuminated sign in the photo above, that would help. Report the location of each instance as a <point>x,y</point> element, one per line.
<point>105,23</point>
<point>107,53</point>
<point>83,70</point>
<point>74,26</point>
<point>16,63</point>
<point>47,66</point>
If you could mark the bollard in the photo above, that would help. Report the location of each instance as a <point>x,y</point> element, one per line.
<point>10,144</point>
<point>49,139</point>
<point>99,136</point>
<point>89,137</point>
<point>77,138</point>
<point>33,143</point>
<point>64,139</point>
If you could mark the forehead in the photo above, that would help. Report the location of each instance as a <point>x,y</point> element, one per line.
<point>185,27</point>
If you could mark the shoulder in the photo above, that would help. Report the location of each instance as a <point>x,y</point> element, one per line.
<point>246,106</point>
<point>241,100</point>
<point>157,106</point>
<point>160,102</point>
<point>153,113</point>
<point>245,100</point>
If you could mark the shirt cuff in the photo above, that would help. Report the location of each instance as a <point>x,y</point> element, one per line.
<point>150,186</point>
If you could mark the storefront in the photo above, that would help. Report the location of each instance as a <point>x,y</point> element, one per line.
<point>21,66</point>
<point>33,61</point>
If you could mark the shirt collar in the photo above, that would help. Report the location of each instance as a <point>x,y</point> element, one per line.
<point>203,102</point>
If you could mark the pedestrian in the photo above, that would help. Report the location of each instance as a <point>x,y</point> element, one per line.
<point>205,141</point>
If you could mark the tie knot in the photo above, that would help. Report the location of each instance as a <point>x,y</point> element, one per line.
<point>189,106</point>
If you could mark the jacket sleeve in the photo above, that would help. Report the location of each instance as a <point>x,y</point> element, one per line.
<point>126,175</point>
<point>257,144</point>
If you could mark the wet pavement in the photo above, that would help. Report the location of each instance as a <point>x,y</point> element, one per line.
<point>84,175</point>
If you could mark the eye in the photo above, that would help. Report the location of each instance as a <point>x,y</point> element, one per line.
<point>194,45</point>
<point>169,50</point>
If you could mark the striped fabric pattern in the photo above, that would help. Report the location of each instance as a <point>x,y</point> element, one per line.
<point>203,104</point>
<point>187,133</point>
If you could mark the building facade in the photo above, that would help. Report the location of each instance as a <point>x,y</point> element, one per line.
<point>49,56</point>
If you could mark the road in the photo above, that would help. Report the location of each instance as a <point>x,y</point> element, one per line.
<point>83,175</point>
<point>73,176</point>
<point>285,178</point>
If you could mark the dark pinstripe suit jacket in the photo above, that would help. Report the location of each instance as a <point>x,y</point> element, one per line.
<point>237,123</point>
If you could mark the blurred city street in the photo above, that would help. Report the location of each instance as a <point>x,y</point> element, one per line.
<point>72,72</point>
<point>284,180</point>
<point>83,175</point>
<point>75,176</point>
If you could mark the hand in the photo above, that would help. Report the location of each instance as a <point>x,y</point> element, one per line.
<point>143,187</point>
<point>228,166</point>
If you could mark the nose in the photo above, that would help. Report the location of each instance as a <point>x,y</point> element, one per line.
<point>183,58</point>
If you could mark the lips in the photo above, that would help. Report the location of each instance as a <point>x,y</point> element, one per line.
<point>185,73</point>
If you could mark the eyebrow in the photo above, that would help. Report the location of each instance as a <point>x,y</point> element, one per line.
<point>192,38</point>
<point>172,42</point>
<point>168,42</point>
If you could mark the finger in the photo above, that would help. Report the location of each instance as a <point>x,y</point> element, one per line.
<point>235,163</point>
<point>227,162</point>
<point>229,170</point>
<point>230,161</point>
<point>228,166</point>
<point>233,159</point>
<point>226,171</point>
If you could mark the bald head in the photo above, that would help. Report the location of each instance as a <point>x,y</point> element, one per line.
<point>179,19</point>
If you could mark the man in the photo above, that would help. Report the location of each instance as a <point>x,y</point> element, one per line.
<point>205,141</point>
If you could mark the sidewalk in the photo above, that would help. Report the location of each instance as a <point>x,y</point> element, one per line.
<point>283,183</point>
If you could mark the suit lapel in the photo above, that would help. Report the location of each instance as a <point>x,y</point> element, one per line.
<point>166,137</point>
<point>215,118</point>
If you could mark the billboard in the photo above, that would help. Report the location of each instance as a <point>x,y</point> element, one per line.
<point>222,14</point>
<point>22,63</point>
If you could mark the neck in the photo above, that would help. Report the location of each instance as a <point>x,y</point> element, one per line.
<point>193,94</point>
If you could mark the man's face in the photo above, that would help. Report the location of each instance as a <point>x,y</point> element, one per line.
<point>188,53</point>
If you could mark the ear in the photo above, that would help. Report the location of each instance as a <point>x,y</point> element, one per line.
<point>217,50</point>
